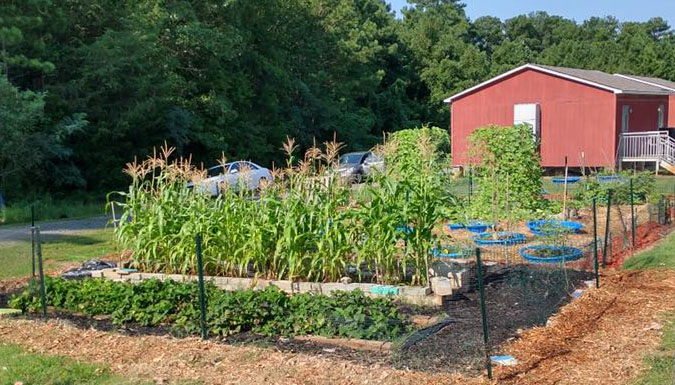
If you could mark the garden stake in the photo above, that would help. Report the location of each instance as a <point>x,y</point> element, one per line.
<point>43,294</point>
<point>595,244</point>
<point>470,183</point>
<point>632,212</point>
<point>483,312</point>
<point>202,295</point>
<point>604,246</point>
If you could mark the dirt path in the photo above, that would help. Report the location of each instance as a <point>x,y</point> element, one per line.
<point>71,226</point>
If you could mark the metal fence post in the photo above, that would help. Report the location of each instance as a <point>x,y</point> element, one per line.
<point>202,294</point>
<point>595,244</point>
<point>632,212</point>
<point>483,312</point>
<point>43,291</point>
<point>604,246</point>
<point>32,239</point>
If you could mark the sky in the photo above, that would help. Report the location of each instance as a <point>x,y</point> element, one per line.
<point>579,10</point>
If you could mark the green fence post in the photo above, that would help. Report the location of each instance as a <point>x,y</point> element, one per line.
<point>32,239</point>
<point>483,312</point>
<point>470,183</point>
<point>632,212</point>
<point>604,247</point>
<point>43,291</point>
<point>595,244</point>
<point>202,294</point>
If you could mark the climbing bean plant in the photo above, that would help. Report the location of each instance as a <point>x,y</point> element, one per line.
<point>506,164</point>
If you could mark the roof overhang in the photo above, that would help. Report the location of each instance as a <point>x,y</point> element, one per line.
<point>554,73</point>
<point>646,82</point>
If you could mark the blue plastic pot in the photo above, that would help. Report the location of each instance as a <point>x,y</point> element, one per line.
<point>546,227</point>
<point>455,226</point>
<point>487,239</point>
<point>565,254</point>
<point>451,251</point>
<point>570,179</point>
<point>609,178</point>
<point>478,227</point>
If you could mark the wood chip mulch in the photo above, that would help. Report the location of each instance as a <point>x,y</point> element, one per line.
<point>167,360</point>
<point>600,338</point>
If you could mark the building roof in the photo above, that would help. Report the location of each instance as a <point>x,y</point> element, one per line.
<point>618,84</point>
<point>667,84</point>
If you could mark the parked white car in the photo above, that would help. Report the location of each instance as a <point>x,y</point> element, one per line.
<point>234,175</point>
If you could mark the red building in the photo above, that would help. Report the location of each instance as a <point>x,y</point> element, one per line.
<point>594,118</point>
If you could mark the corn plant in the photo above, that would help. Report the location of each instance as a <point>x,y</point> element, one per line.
<point>308,225</point>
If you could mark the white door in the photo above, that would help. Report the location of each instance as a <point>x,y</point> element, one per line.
<point>528,114</point>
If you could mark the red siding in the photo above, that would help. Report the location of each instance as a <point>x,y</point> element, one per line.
<point>671,111</point>
<point>644,114</point>
<point>575,118</point>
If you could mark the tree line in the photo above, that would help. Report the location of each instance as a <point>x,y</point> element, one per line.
<point>87,85</point>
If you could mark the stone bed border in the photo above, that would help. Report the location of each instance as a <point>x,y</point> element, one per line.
<point>442,288</point>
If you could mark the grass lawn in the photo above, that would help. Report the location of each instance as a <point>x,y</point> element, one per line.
<point>660,256</point>
<point>660,362</point>
<point>18,365</point>
<point>50,209</point>
<point>15,256</point>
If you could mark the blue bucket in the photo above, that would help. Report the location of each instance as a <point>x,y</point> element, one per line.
<point>455,226</point>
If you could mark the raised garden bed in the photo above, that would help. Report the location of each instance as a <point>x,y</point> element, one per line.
<point>493,239</point>
<point>546,227</point>
<point>551,254</point>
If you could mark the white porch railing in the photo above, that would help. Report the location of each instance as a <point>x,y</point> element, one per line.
<point>650,146</point>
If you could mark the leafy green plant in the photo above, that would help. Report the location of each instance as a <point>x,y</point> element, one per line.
<point>268,312</point>
<point>508,172</point>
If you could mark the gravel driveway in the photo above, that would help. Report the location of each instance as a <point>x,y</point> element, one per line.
<point>70,226</point>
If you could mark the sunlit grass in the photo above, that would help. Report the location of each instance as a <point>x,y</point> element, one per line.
<point>15,256</point>
<point>20,366</point>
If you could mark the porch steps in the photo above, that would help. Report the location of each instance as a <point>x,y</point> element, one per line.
<point>667,166</point>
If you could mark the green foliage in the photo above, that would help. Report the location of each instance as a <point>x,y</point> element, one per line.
<point>49,208</point>
<point>269,312</point>
<point>309,224</point>
<point>239,76</point>
<point>508,172</point>
<point>644,188</point>
<point>406,155</point>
